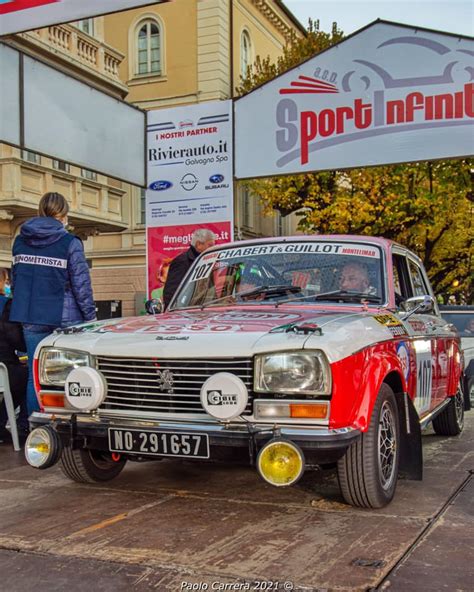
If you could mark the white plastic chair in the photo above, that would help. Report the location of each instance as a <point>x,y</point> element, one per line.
<point>6,395</point>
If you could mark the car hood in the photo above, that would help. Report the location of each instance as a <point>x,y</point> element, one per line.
<point>226,332</point>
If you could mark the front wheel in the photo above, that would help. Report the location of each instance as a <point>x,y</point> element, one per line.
<point>450,422</point>
<point>89,466</point>
<point>368,471</point>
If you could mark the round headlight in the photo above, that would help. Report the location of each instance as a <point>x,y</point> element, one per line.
<point>280,463</point>
<point>43,448</point>
<point>299,372</point>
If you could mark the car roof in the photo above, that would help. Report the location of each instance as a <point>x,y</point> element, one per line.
<point>373,240</point>
<point>384,243</point>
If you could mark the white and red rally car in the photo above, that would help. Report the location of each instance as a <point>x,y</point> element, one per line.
<point>283,352</point>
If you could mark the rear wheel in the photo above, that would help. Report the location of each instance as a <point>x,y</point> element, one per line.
<point>450,422</point>
<point>89,466</point>
<point>368,471</point>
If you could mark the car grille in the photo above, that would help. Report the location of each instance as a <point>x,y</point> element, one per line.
<point>137,383</point>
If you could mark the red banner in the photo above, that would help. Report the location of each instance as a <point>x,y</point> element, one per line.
<point>167,242</point>
<point>16,5</point>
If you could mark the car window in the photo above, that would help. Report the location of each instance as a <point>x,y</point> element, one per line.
<point>419,287</point>
<point>463,321</point>
<point>401,280</point>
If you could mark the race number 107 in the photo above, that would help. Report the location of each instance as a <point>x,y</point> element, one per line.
<point>202,271</point>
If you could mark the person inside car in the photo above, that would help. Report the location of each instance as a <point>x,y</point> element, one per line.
<point>354,277</point>
<point>247,280</point>
<point>469,327</point>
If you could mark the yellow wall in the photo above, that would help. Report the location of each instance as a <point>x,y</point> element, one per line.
<point>178,43</point>
<point>265,41</point>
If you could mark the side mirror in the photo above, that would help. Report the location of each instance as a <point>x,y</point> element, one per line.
<point>419,304</point>
<point>154,306</point>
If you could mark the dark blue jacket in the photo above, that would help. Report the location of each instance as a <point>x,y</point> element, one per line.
<point>50,276</point>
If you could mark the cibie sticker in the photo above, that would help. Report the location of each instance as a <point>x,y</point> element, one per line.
<point>224,396</point>
<point>404,357</point>
<point>85,388</point>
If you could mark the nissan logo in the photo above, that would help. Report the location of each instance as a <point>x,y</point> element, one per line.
<point>189,182</point>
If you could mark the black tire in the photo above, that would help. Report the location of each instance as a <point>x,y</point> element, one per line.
<point>450,422</point>
<point>470,390</point>
<point>368,472</point>
<point>89,466</point>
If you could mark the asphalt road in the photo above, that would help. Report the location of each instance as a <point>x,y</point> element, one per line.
<point>173,526</point>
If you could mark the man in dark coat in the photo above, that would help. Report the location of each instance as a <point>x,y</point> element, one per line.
<point>201,240</point>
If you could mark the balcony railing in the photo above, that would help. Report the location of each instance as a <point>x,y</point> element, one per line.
<point>80,47</point>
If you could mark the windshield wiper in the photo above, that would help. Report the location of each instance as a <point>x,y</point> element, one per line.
<point>270,291</point>
<point>349,295</point>
<point>266,290</point>
<point>344,295</point>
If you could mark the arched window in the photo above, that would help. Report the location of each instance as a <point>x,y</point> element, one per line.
<point>245,53</point>
<point>148,49</point>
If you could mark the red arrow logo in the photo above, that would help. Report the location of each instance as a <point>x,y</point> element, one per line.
<point>16,5</point>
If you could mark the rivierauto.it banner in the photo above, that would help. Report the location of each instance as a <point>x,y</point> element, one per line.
<point>389,93</point>
<point>23,15</point>
<point>189,181</point>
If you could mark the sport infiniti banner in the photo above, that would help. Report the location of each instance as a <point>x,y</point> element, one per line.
<point>24,15</point>
<point>387,94</point>
<point>190,182</point>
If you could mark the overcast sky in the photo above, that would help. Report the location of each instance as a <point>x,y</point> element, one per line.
<point>452,16</point>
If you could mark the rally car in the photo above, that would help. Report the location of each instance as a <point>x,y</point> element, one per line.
<point>285,353</point>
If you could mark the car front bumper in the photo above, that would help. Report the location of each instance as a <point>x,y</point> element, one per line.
<point>227,441</point>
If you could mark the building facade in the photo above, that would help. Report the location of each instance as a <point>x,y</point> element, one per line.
<point>165,55</point>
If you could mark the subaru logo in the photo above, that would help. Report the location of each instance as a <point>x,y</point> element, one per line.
<point>160,185</point>
<point>216,178</point>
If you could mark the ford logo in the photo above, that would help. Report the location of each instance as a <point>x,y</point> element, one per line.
<point>216,178</point>
<point>160,185</point>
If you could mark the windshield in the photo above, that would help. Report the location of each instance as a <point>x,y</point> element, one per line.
<point>285,272</point>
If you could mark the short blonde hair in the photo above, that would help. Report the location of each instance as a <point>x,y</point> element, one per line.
<point>53,204</point>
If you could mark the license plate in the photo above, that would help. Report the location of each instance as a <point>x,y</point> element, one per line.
<point>159,443</point>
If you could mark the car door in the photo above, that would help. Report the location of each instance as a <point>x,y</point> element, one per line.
<point>422,383</point>
<point>434,329</point>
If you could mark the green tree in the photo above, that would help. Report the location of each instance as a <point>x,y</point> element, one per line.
<point>425,206</point>
<point>297,50</point>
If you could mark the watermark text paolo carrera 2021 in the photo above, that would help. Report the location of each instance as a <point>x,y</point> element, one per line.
<point>255,586</point>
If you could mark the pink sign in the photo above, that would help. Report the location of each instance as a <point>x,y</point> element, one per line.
<point>167,242</point>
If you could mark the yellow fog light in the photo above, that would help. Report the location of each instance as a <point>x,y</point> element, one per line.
<point>42,448</point>
<point>280,463</point>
